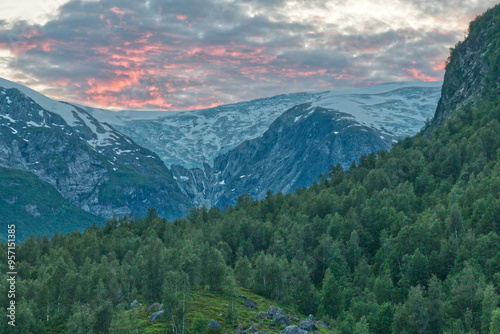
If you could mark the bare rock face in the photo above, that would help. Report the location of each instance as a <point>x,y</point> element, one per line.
<point>298,147</point>
<point>92,165</point>
<point>464,79</point>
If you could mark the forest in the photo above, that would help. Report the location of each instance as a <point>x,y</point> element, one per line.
<point>404,241</point>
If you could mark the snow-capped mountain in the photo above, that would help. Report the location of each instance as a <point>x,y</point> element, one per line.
<point>194,138</point>
<point>91,164</point>
<point>298,147</point>
<point>108,162</point>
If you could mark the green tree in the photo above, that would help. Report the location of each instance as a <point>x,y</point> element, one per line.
<point>300,288</point>
<point>413,316</point>
<point>103,309</point>
<point>243,271</point>
<point>82,321</point>
<point>495,322</point>
<point>331,298</point>
<point>435,298</point>
<point>381,322</point>
<point>361,327</point>
<point>213,268</point>
<point>489,304</point>
<point>383,287</point>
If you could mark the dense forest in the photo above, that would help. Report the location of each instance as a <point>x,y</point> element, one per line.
<point>404,241</point>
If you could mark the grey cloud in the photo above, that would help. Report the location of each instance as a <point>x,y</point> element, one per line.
<point>156,41</point>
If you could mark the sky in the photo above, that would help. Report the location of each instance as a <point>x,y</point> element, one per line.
<point>191,54</point>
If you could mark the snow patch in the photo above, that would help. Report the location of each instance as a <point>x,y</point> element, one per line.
<point>8,118</point>
<point>64,110</point>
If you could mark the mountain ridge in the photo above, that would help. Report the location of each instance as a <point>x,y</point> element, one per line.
<point>197,137</point>
<point>281,148</point>
<point>91,164</point>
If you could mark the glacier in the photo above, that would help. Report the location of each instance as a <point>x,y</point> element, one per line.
<point>194,138</point>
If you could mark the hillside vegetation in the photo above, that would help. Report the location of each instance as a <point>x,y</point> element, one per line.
<point>405,241</point>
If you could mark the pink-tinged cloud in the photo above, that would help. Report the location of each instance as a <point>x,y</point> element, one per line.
<point>184,56</point>
<point>438,65</point>
<point>118,11</point>
<point>418,75</point>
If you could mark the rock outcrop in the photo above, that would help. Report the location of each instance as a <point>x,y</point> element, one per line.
<point>466,71</point>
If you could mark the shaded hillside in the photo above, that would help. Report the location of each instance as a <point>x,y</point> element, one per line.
<point>36,207</point>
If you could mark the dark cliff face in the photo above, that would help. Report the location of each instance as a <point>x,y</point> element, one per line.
<point>93,166</point>
<point>469,64</point>
<point>299,146</point>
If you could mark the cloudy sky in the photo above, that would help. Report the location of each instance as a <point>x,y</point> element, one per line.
<point>188,54</point>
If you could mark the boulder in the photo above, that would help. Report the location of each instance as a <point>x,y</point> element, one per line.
<point>238,329</point>
<point>273,310</point>
<point>278,315</point>
<point>307,325</point>
<point>251,329</point>
<point>135,304</point>
<point>153,307</point>
<point>262,333</point>
<point>312,318</point>
<point>322,324</point>
<point>155,316</point>
<point>251,304</point>
<point>293,330</point>
<point>281,318</point>
<point>214,325</point>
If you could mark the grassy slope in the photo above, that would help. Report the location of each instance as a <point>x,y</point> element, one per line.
<point>211,305</point>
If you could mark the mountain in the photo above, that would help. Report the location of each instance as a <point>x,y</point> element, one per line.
<point>194,138</point>
<point>91,164</point>
<point>114,163</point>
<point>299,146</point>
<point>280,143</point>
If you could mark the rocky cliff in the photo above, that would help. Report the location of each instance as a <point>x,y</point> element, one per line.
<point>467,68</point>
<point>299,146</point>
<point>92,165</point>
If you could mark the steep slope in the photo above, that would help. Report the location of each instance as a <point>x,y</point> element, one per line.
<point>299,146</point>
<point>472,66</point>
<point>91,164</point>
<point>218,154</point>
<point>36,207</point>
